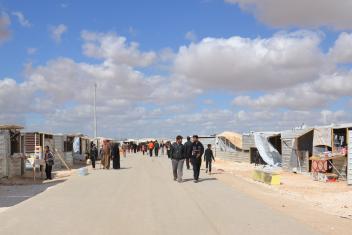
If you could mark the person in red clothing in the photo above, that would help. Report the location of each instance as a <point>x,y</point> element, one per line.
<point>151,148</point>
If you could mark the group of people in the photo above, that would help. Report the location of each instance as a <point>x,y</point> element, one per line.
<point>153,147</point>
<point>109,151</point>
<point>191,152</point>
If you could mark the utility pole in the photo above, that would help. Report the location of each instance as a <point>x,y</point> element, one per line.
<point>95,111</point>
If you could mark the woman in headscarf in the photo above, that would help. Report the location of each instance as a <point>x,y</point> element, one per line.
<point>105,161</point>
<point>115,153</point>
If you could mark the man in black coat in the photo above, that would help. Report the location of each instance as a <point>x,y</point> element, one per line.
<point>188,151</point>
<point>196,159</point>
<point>93,154</point>
<point>115,153</point>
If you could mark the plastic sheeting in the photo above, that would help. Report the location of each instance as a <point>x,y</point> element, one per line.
<point>76,145</point>
<point>322,137</point>
<point>234,138</point>
<point>221,145</point>
<point>268,153</point>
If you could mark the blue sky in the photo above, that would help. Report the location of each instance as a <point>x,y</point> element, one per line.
<point>158,26</point>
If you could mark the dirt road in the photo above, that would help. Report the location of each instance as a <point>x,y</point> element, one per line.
<point>142,198</point>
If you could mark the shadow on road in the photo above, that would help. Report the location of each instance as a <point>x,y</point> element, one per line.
<point>124,168</point>
<point>200,180</point>
<point>207,179</point>
<point>11,195</point>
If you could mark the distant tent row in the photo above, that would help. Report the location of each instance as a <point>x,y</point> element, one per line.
<point>291,149</point>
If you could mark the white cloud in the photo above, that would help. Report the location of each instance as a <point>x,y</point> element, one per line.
<point>22,19</point>
<point>338,84</point>
<point>57,32</point>
<point>4,26</point>
<point>301,13</point>
<point>298,84</point>
<point>342,50</point>
<point>240,64</point>
<point>191,36</point>
<point>299,98</point>
<point>115,49</point>
<point>15,98</point>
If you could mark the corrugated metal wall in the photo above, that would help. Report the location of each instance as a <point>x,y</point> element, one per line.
<point>287,148</point>
<point>4,152</point>
<point>248,141</point>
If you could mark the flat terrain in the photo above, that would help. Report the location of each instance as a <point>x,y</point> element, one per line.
<point>142,198</point>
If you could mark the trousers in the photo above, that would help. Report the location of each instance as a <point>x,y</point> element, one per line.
<point>177,169</point>
<point>196,162</point>
<point>48,169</point>
<point>208,165</point>
<point>187,163</point>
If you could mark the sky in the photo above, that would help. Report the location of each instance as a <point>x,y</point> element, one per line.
<point>164,68</point>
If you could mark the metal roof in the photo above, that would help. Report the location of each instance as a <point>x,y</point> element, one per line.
<point>10,127</point>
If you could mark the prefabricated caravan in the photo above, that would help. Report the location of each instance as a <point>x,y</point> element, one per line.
<point>35,142</point>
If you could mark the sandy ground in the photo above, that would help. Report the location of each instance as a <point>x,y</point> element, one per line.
<point>333,198</point>
<point>142,198</point>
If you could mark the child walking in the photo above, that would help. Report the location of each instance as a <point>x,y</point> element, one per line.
<point>208,158</point>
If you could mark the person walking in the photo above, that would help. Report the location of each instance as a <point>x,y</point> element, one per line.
<point>135,147</point>
<point>151,147</point>
<point>115,153</point>
<point>196,158</point>
<point>105,161</point>
<point>49,162</point>
<point>156,148</point>
<point>162,147</point>
<point>208,158</point>
<point>177,158</point>
<point>188,151</point>
<point>144,148</point>
<point>168,149</point>
<point>93,154</point>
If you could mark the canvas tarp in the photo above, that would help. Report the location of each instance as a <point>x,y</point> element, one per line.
<point>268,153</point>
<point>322,136</point>
<point>233,137</point>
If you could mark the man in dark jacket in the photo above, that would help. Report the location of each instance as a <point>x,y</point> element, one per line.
<point>196,159</point>
<point>188,151</point>
<point>49,162</point>
<point>178,158</point>
<point>208,158</point>
<point>115,153</point>
<point>156,148</point>
<point>93,154</point>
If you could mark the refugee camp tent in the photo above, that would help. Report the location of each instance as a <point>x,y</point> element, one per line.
<point>230,141</point>
<point>233,146</point>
